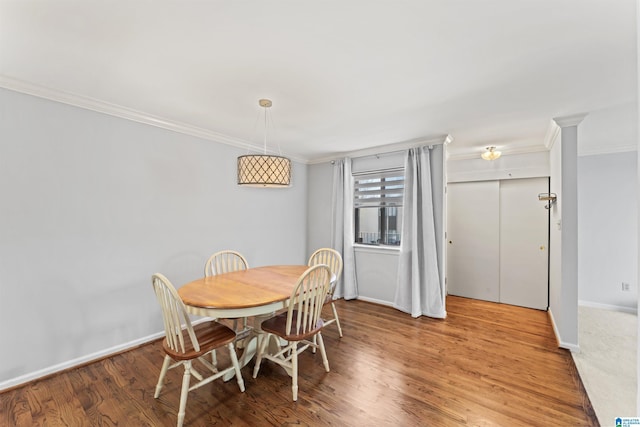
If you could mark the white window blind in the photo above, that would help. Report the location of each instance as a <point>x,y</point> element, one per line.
<point>379,189</point>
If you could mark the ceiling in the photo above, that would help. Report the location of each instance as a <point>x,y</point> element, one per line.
<point>343,75</point>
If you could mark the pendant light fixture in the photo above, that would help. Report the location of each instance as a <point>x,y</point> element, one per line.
<point>491,154</point>
<point>264,170</point>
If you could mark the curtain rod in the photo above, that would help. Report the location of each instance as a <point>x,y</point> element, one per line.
<point>395,148</point>
<point>388,153</point>
<point>390,148</point>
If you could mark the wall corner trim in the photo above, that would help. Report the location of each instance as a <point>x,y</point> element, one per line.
<point>568,121</point>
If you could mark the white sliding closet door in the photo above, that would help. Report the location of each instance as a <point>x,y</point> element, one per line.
<point>497,241</point>
<point>524,234</point>
<point>473,240</point>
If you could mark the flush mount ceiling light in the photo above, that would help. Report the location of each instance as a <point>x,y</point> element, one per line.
<point>264,170</point>
<point>491,154</point>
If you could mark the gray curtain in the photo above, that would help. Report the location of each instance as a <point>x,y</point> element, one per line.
<point>419,289</point>
<point>342,233</point>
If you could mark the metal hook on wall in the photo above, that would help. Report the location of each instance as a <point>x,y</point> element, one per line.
<point>550,198</point>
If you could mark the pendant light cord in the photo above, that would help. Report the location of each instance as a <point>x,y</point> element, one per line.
<point>265,130</point>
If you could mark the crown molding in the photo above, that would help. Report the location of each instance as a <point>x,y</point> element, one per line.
<point>468,155</point>
<point>387,148</point>
<point>552,134</point>
<point>499,174</point>
<point>606,150</point>
<point>103,107</point>
<point>568,121</point>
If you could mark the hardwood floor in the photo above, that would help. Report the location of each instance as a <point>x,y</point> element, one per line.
<point>485,365</point>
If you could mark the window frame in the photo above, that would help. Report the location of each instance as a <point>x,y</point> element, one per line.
<point>367,195</point>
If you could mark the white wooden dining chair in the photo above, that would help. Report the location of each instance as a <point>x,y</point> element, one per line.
<point>227,261</point>
<point>185,343</point>
<point>298,325</point>
<point>333,259</point>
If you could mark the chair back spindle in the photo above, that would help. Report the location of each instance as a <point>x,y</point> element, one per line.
<point>307,300</point>
<point>174,314</point>
<point>225,262</point>
<point>333,260</point>
<point>298,325</point>
<point>179,352</point>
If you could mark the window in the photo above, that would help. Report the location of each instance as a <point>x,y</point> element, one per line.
<point>378,207</point>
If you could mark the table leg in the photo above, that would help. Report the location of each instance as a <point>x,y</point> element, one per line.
<point>249,344</point>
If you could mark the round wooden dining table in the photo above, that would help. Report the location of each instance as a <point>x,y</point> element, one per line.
<point>245,293</point>
<point>256,292</point>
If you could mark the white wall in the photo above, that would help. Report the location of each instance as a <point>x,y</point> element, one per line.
<point>93,205</point>
<point>555,235</point>
<point>319,206</point>
<point>564,307</point>
<point>559,312</point>
<point>610,130</point>
<point>607,230</point>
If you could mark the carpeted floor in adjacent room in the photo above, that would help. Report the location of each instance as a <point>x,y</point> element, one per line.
<point>607,361</point>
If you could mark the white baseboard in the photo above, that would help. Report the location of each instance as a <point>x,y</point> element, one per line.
<point>571,347</point>
<point>32,376</point>
<point>376,301</point>
<point>574,348</point>
<point>621,308</point>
